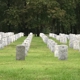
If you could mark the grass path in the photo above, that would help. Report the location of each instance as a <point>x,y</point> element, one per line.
<point>40,63</point>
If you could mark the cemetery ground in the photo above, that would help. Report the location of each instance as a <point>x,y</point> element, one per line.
<point>39,64</point>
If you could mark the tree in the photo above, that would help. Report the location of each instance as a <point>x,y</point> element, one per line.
<point>40,16</point>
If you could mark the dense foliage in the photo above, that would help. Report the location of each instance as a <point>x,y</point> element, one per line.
<point>40,16</point>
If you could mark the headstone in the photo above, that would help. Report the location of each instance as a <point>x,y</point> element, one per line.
<point>1,46</point>
<point>71,42</point>
<point>56,51</point>
<point>76,44</point>
<point>62,52</point>
<point>53,44</point>
<point>72,37</point>
<point>20,52</point>
<point>57,37</point>
<point>63,38</point>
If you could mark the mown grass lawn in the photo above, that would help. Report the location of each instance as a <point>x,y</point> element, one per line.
<point>40,63</point>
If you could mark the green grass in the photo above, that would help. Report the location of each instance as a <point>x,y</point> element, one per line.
<point>40,63</point>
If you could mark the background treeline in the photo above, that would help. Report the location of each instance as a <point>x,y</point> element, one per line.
<point>40,16</point>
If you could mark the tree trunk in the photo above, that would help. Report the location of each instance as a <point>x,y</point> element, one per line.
<point>38,31</point>
<point>62,29</point>
<point>58,26</point>
<point>75,30</point>
<point>71,29</point>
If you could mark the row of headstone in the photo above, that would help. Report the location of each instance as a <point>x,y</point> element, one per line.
<point>9,37</point>
<point>60,51</point>
<point>51,44</point>
<point>27,42</point>
<point>22,49</point>
<point>44,37</point>
<point>52,35</point>
<point>61,37</point>
<point>74,41</point>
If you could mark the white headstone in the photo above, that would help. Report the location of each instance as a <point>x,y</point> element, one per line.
<point>20,52</point>
<point>63,52</point>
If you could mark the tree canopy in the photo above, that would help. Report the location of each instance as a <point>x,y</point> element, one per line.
<point>57,16</point>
